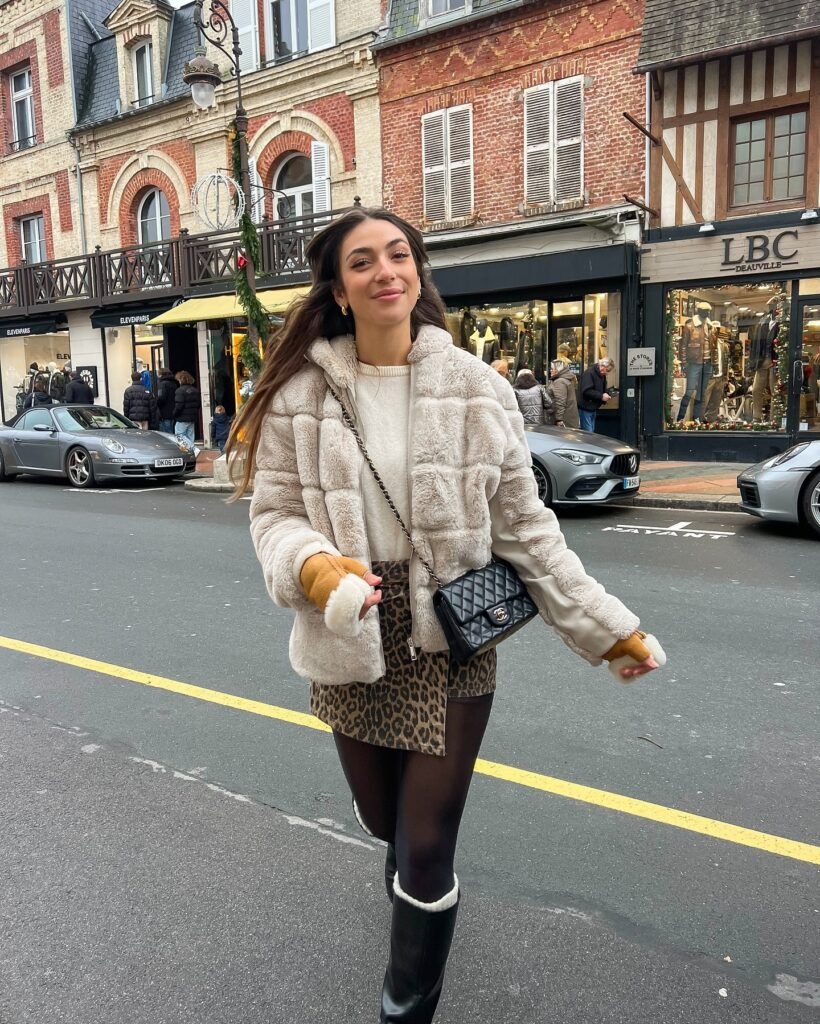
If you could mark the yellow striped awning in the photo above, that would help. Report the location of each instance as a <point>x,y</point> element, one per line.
<point>221,307</point>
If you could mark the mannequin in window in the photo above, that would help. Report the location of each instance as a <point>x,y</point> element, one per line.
<point>468,326</point>
<point>716,387</point>
<point>695,355</point>
<point>763,340</point>
<point>483,342</point>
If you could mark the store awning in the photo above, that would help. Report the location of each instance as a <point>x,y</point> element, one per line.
<point>222,307</point>
<point>29,328</point>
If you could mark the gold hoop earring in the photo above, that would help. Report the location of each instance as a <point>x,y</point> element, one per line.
<point>344,310</point>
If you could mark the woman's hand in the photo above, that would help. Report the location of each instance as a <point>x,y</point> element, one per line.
<point>635,656</point>
<point>372,599</point>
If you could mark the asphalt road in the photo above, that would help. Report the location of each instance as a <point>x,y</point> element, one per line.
<point>169,858</point>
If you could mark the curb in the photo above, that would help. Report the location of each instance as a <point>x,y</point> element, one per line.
<point>699,504</point>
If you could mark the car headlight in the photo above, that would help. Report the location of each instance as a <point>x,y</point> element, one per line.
<point>113,445</point>
<point>579,458</point>
<point>790,453</point>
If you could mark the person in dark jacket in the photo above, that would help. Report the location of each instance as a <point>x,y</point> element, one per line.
<point>187,403</point>
<point>139,404</point>
<point>78,391</point>
<point>39,396</point>
<point>166,389</point>
<point>220,427</point>
<point>593,392</point>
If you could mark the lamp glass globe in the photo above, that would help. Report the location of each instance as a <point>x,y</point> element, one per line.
<point>202,93</point>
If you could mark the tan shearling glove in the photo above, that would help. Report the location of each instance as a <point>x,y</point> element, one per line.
<point>335,585</point>
<point>631,651</point>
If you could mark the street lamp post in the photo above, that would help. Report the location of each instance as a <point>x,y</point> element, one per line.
<point>203,77</point>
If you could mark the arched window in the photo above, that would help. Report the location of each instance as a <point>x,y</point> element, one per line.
<point>153,217</point>
<point>295,180</point>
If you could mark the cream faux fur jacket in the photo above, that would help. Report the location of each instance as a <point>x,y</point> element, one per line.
<point>467,453</point>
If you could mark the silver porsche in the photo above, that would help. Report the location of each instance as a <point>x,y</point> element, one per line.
<point>576,467</point>
<point>89,444</point>
<point>785,488</point>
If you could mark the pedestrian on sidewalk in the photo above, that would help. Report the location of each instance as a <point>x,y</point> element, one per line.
<point>446,436</point>
<point>561,389</point>
<point>220,427</point>
<point>78,391</point>
<point>187,402</point>
<point>166,390</point>
<point>533,400</point>
<point>593,392</point>
<point>138,403</point>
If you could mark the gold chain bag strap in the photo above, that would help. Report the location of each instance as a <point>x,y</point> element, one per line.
<point>478,609</point>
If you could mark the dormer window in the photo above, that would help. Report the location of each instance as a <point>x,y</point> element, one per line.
<point>143,76</point>
<point>440,8</point>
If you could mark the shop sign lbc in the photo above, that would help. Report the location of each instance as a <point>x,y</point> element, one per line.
<point>759,252</point>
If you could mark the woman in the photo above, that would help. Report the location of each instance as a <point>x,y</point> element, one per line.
<point>187,403</point>
<point>444,431</point>
<point>533,399</point>
<point>562,391</point>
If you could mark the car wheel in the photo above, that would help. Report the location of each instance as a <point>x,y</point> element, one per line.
<point>810,503</point>
<point>543,481</point>
<point>78,468</point>
<point>3,474</point>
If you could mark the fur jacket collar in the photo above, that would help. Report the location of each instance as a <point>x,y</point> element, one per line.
<point>466,446</point>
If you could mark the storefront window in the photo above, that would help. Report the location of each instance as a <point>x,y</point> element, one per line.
<point>727,357</point>
<point>148,350</point>
<point>531,332</point>
<point>50,353</point>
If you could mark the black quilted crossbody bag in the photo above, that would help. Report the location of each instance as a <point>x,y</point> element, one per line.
<point>478,609</point>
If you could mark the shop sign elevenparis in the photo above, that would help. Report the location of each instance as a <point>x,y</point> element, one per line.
<point>218,200</point>
<point>760,252</point>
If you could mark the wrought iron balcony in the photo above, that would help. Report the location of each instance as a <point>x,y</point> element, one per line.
<point>183,266</point>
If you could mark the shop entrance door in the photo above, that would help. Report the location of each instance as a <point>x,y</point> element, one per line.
<point>567,341</point>
<point>804,405</point>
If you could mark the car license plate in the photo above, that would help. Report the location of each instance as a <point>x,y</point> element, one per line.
<point>631,482</point>
<point>164,463</point>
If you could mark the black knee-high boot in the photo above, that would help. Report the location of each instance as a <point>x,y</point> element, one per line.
<point>420,938</point>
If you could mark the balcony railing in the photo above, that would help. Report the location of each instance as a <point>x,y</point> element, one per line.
<point>187,265</point>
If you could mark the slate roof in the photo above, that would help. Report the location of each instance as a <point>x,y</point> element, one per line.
<point>680,31</point>
<point>100,92</point>
<point>83,36</point>
<point>403,19</point>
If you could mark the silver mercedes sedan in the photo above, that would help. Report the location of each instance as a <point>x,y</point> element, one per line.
<point>89,444</point>
<point>785,488</point>
<point>576,467</point>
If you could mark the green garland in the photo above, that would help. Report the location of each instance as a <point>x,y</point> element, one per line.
<point>670,355</point>
<point>248,299</point>
<point>780,394</point>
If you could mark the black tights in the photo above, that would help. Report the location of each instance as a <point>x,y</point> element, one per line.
<point>415,801</point>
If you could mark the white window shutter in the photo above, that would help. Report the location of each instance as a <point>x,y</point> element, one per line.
<point>433,146</point>
<point>460,145</point>
<point>321,27</point>
<point>538,144</point>
<point>257,210</point>
<point>569,140</point>
<point>320,159</point>
<point>244,14</point>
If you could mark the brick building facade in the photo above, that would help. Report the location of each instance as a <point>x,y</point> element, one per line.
<point>504,140</point>
<point>125,148</point>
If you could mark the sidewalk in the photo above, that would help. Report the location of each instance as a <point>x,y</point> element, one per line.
<point>692,485</point>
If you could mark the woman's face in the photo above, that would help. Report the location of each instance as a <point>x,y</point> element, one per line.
<point>379,280</point>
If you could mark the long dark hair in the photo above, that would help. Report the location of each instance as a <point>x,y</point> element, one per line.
<point>318,315</point>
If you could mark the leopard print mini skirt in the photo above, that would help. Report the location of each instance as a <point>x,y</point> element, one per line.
<point>406,708</point>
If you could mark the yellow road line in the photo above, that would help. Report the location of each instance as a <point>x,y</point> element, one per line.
<point>532,780</point>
